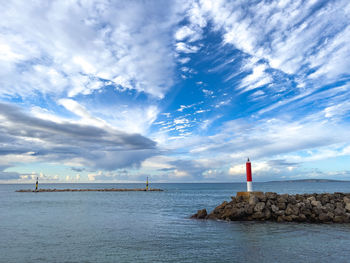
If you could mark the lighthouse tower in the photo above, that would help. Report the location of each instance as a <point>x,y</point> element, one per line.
<point>249,191</point>
<point>249,176</point>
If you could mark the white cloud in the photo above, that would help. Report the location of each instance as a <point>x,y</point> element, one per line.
<point>158,162</point>
<point>186,48</point>
<point>179,174</point>
<point>289,35</point>
<point>188,33</point>
<point>92,176</point>
<point>337,110</point>
<point>181,120</point>
<point>184,60</point>
<point>208,92</point>
<point>64,47</point>
<point>257,168</point>
<point>132,119</point>
<point>256,79</point>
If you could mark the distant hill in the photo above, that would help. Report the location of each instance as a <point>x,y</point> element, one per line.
<point>308,181</point>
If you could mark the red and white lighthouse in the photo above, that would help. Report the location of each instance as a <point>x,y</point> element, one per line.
<point>249,176</point>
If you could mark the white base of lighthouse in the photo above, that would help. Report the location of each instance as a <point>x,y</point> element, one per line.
<point>249,187</point>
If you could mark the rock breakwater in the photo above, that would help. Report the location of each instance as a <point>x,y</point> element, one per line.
<point>90,190</point>
<point>269,206</point>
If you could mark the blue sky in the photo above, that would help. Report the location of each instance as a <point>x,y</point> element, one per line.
<point>181,91</point>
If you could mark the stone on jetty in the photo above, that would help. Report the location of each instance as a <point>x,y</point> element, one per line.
<point>201,214</point>
<point>258,206</point>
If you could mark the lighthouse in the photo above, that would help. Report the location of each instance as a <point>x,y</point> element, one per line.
<point>249,191</point>
<point>249,176</point>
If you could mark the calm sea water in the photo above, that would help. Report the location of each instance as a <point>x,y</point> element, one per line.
<point>154,226</point>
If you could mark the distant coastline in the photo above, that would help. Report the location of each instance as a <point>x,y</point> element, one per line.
<point>308,181</point>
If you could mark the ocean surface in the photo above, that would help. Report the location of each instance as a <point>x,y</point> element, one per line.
<point>154,226</point>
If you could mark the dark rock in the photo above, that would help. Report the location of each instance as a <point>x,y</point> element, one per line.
<point>280,219</point>
<point>271,195</point>
<point>330,215</point>
<point>267,215</point>
<point>311,198</point>
<point>238,214</point>
<point>301,218</point>
<point>211,216</point>
<point>339,205</point>
<point>279,213</point>
<point>260,195</point>
<point>316,203</point>
<point>292,210</point>
<point>292,200</point>
<point>258,215</point>
<point>329,207</point>
<point>347,218</point>
<point>324,199</point>
<point>269,203</point>
<point>338,219</point>
<point>305,211</point>
<point>281,205</point>
<point>339,211</point>
<point>274,208</point>
<point>317,210</point>
<point>314,208</point>
<point>346,199</point>
<point>347,207</point>
<point>259,207</point>
<point>281,199</point>
<point>287,218</point>
<point>253,200</point>
<point>308,205</point>
<point>201,214</point>
<point>323,217</point>
<point>222,205</point>
<point>249,209</point>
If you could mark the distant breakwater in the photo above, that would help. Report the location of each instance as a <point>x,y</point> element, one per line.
<point>269,206</point>
<point>90,190</point>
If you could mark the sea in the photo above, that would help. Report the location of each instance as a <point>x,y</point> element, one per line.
<point>155,226</point>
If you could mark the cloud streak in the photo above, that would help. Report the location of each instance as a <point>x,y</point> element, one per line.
<point>91,146</point>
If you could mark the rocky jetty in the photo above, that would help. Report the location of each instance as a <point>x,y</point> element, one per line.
<point>258,206</point>
<point>90,190</point>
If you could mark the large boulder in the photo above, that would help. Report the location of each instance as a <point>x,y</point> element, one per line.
<point>271,195</point>
<point>347,207</point>
<point>316,203</point>
<point>323,217</point>
<point>258,215</point>
<point>281,205</point>
<point>292,200</point>
<point>324,199</point>
<point>259,207</point>
<point>339,211</point>
<point>346,200</point>
<point>282,199</point>
<point>311,198</point>
<point>339,219</point>
<point>253,200</point>
<point>274,208</point>
<point>292,210</point>
<point>201,214</point>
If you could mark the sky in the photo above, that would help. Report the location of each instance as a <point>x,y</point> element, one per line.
<point>180,91</point>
